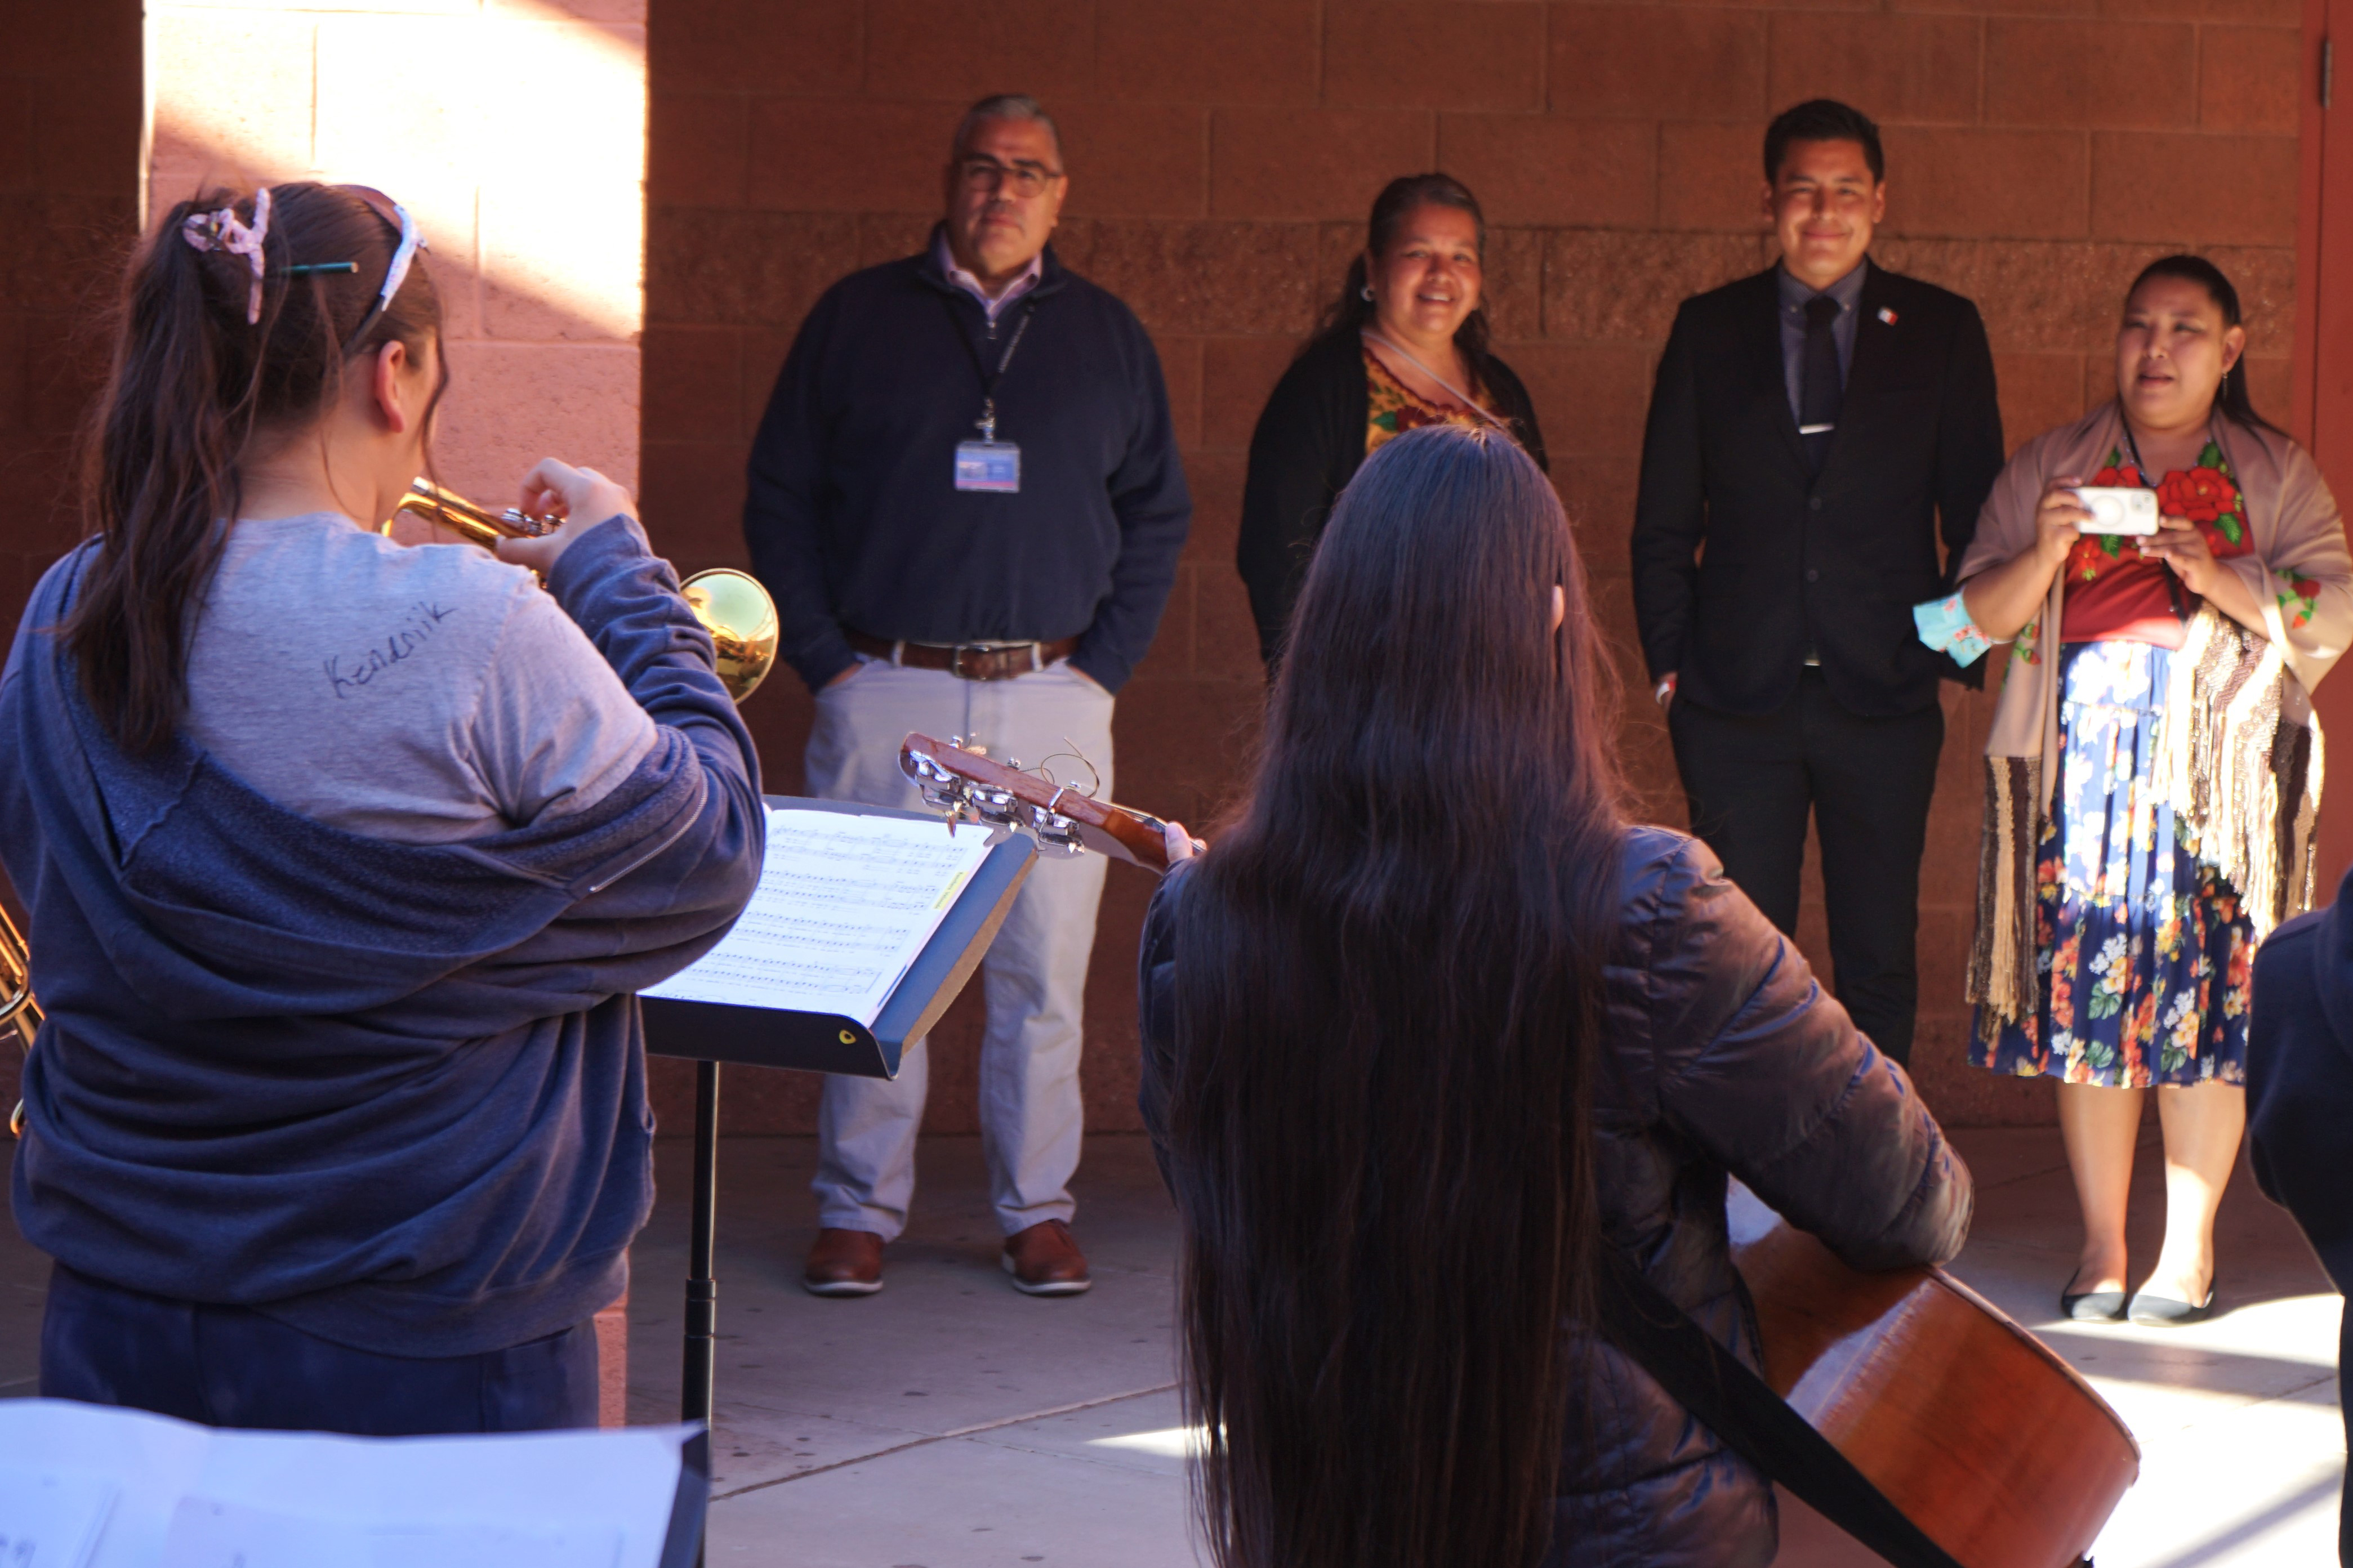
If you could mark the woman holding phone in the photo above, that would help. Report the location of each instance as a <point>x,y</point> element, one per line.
<point>2152,779</point>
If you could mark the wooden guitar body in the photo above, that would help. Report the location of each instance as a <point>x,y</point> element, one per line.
<point>1993,1446</point>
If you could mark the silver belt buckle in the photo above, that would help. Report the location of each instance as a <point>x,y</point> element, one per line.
<point>955,656</point>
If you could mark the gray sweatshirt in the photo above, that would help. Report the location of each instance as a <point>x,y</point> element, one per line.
<point>423,694</point>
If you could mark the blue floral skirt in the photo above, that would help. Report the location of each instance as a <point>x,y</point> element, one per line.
<point>2142,954</point>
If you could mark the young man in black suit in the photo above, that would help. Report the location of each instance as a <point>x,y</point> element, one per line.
<point>1813,428</point>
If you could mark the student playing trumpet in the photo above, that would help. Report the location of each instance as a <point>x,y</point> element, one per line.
<point>344,860</point>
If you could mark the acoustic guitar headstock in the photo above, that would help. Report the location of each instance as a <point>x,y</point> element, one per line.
<point>967,786</point>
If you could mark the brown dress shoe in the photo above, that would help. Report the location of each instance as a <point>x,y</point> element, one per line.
<point>844,1263</point>
<point>1045,1261</point>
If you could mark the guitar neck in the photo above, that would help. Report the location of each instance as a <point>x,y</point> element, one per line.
<point>1121,831</point>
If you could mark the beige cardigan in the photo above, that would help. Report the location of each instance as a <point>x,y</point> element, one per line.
<point>2241,753</point>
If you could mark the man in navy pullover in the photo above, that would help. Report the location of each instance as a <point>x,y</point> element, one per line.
<point>966,500</point>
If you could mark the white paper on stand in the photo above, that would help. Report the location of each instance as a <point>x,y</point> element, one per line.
<point>207,1532</point>
<point>179,1491</point>
<point>50,1519</point>
<point>844,906</point>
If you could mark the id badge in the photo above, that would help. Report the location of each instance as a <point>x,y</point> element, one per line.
<point>988,465</point>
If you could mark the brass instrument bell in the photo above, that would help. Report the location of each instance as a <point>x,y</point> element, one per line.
<point>19,1012</point>
<point>731,605</point>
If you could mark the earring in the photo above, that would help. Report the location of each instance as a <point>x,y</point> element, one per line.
<point>1366,291</point>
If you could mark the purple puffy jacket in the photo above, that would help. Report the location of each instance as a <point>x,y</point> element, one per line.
<point>1725,1058</point>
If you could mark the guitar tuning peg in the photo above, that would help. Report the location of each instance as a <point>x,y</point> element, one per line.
<point>1056,834</point>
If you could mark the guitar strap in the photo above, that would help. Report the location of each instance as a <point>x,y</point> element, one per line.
<point>1754,1423</point>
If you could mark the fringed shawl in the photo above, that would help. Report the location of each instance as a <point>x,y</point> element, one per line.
<point>2238,749</point>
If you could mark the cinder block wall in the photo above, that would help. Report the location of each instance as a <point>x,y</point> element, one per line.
<point>528,196</point>
<point>70,117</point>
<point>1223,155</point>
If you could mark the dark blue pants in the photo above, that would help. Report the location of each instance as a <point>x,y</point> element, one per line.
<point>232,1366</point>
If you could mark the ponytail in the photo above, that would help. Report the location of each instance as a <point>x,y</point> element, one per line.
<point>231,325</point>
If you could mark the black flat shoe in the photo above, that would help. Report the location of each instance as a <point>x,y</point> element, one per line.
<point>2092,1306</point>
<point>2165,1312</point>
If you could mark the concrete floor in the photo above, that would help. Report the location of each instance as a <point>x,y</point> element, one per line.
<point>951,1423</point>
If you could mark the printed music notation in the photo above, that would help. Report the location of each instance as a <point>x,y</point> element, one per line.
<point>844,905</point>
<point>90,1486</point>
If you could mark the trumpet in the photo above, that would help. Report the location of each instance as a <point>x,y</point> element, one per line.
<point>731,605</point>
<point>18,1010</point>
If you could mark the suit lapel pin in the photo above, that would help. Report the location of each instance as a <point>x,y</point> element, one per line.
<point>1887,315</point>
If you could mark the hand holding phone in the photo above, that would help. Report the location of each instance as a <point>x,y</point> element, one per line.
<point>2119,509</point>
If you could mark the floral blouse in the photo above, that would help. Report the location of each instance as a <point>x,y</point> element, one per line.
<point>2110,591</point>
<point>1396,408</point>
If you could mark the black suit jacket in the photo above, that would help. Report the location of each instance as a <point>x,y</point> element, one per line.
<point>2300,1078</point>
<point>1744,559</point>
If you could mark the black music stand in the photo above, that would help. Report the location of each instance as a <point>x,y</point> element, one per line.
<point>709,1032</point>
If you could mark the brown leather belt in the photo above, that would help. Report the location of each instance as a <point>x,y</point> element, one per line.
<point>967,661</point>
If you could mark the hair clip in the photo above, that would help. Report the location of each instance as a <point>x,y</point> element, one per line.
<point>222,231</point>
<point>303,267</point>
<point>411,240</point>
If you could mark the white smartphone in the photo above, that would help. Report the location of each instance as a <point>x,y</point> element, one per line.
<point>2122,509</point>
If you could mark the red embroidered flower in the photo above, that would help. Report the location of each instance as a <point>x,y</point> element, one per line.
<point>2201,495</point>
<point>2111,477</point>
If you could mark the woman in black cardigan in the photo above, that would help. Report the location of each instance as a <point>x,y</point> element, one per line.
<point>1405,344</point>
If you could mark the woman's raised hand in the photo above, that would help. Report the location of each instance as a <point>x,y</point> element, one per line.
<point>2059,519</point>
<point>2001,600</point>
<point>2182,545</point>
<point>583,498</point>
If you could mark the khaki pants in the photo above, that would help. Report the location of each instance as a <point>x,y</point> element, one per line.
<point>1034,977</point>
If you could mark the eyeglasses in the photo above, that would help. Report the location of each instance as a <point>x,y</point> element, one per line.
<point>1021,179</point>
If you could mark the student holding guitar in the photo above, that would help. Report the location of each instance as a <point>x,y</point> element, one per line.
<point>1438,1045</point>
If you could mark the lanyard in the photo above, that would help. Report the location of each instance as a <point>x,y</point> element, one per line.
<point>988,379</point>
<point>1459,395</point>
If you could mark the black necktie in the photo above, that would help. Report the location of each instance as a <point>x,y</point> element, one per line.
<point>1820,390</point>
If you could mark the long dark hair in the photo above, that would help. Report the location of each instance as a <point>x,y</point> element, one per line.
<point>2233,398</point>
<point>1389,979</point>
<point>193,383</point>
<point>1352,312</point>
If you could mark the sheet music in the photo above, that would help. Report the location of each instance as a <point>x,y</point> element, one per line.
<point>159,1493</point>
<point>845,904</point>
<point>207,1532</point>
<point>49,1519</point>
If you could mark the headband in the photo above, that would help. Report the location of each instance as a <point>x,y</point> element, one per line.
<point>222,231</point>
<point>411,240</point>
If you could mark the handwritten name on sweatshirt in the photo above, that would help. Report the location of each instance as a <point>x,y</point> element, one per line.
<point>403,644</point>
